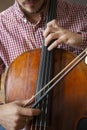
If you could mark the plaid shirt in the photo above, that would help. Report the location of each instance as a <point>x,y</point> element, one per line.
<point>18,35</point>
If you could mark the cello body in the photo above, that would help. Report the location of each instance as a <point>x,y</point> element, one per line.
<point>69,97</point>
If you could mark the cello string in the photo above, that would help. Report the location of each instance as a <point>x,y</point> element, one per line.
<point>33,97</point>
<point>48,62</point>
<point>65,73</point>
<point>46,59</point>
<point>47,69</point>
<point>77,60</point>
<point>39,84</point>
<point>41,73</point>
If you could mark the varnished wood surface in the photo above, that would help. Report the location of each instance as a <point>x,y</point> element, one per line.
<point>69,98</point>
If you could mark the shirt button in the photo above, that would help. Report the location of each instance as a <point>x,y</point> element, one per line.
<point>25,20</point>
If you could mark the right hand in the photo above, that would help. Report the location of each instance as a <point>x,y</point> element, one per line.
<point>13,115</point>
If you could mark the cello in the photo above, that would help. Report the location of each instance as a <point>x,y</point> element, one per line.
<point>66,103</point>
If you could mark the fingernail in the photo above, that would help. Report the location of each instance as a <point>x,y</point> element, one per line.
<point>48,49</point>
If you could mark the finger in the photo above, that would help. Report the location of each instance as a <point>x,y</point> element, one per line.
<point>55,44</point>
<point>50,38</point>
<point>48,30</point>
<point>29,111</point>
<point>51,27</point>
<point>53,23</point>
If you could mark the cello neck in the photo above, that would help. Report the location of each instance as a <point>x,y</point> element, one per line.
<point>45,69</point>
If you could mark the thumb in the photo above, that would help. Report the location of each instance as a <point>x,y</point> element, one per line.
<point>27,111</point>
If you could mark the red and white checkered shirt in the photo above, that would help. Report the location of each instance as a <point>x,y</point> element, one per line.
<point>18,35</point>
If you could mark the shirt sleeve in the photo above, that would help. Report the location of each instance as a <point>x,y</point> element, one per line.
<point>84,39</point>
<point>84,29</point>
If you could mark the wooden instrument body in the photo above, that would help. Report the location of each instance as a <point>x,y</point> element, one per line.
<point>69,97</point>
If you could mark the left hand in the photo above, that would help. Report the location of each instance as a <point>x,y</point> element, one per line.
<point>60,35</point>
<point>13,115</point>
